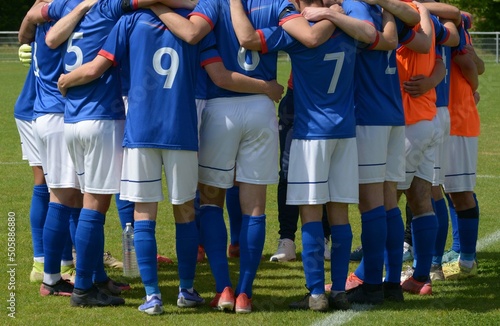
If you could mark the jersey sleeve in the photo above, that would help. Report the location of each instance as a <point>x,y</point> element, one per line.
<point>208,10</point>
<point>275,39</point>
<point>114,9</point>
<point>359,10</point>
<point>405,33</point>
<point>441,33</point>
<point>54,10</point>
<point>208,50</point>
<point>115,47</point>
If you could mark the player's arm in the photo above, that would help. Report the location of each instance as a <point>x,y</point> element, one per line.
<point>399,9</point>
<point>190,30</point>
<point>240,83</point>
<point>356,28</point>
<point>468,68</point>
<point>33,17</point>
<point>422,41</point>
<point>62,30</point>
<point>388,38</point>
<point>245,32</point>
<point>419,85</point>
<point>84,74</point>
<point>477,60</point>
<point>444,11</point>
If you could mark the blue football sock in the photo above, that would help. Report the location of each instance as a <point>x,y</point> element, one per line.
<point>73,223</point>
<point>234,211</point>
<point>186,244</point>
<point>442,217</point>
<point>454,226</point>
<point>55,233</point>
<point>341,252</point>
<point>252,238</point>
<point>89,244</point>
<point>38,214</point>
<point>145,249</point>
<point>100,274</point>
<point>67,253</point>
<point>394,245</point>
<point>468,224</point>
<point>125,211</point>
<point>213,234</point>
<point>424,229</point>
<point>373,238</point>
<point>313,247</point>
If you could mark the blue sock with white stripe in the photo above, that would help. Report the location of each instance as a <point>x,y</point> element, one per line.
<point>252,238</point>
<point>38,214</point>
<point>341,252</point>
<point>373,236</point>
<point>424,229</point>
<point>442,217</point>
<point>186,244</point>
<point>145,249</point>
<point>394,245</point>
<point>313,247</point>
<point>213,234</point>
<point>234,211</point>
<point>89,243</point>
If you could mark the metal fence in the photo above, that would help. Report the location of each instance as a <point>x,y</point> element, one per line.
<point>486,44</point>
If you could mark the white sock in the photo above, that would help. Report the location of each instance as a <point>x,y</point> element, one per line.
<point>466,263</point>
<point>149,297</point>
<point>51,279</point>
<point>66,262</point>
<point>39,259</point>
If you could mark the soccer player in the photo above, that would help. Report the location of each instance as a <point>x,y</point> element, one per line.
<point>422,134</point>
<point>48,128</point>
<point>462,152</point>
<point>417,86</point>
<point>246,145</point>
<point>23,114</point>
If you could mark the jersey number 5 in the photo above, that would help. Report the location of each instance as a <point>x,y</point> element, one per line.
<point>76,50</point>
<point>172,70</point>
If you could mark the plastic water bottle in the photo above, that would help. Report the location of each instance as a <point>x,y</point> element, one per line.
<point>130,268</point>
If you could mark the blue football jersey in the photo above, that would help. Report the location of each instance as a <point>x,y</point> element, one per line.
<point>262,14</point>
<point>23,109</point>
<point>377,94</point>
<point>47,64</point>
<point>102,98</point>
<point>443,88</point>
<point>163,72</point>
<point>323,83</point>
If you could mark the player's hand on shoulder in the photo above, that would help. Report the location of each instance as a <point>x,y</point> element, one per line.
<point>477,97</point>
<point>274,90</point>
<point>25,54</point>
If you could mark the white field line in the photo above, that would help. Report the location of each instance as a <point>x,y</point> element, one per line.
<point>343,317</point>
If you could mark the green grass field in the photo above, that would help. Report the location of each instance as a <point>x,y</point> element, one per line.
<point>474,301</point>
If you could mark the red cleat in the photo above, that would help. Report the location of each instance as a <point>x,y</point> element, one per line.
<point>163,259</point>
<point>201,254</point>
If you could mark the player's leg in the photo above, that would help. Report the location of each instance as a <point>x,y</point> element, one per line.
<point>234,212</point>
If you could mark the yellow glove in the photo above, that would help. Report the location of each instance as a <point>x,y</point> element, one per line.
<point>25,54</point>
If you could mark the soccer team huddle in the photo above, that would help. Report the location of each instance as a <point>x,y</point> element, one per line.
<point>381,101</point>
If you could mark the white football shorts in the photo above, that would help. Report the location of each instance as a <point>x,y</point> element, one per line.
<point>29,149</point>
<point>96,149</point>
<point>381,153</point>
<point>322,171</point>
<point>440,158</point>
<point>57,165</point>
<point>142,173</point>
<point>239,133</point>
<point>421,140</point>
<point>462,164</point>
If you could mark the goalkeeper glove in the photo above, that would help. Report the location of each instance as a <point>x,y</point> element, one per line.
<point>25,54</point>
